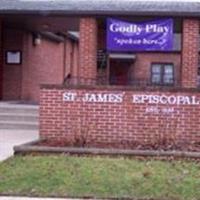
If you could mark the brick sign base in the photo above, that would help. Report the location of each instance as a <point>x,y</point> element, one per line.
<point>118,117</point>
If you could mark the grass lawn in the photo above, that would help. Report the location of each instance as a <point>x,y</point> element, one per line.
<point>100,177</point>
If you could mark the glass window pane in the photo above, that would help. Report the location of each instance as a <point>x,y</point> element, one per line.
<point>168,79</point>
<point>156,73</point>
<point>168,74</point>
<point>156,68</point>
<point>156,78</point>
<point>168,69</point>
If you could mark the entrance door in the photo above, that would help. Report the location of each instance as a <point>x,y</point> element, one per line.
<point>119,71</point>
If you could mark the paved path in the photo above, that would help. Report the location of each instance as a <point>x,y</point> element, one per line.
<point>31,198</point>
<point>10,138</point>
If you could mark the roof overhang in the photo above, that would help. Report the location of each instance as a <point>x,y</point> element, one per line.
<point>190,8</point>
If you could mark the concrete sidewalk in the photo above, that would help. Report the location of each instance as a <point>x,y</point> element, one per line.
<point>31,198</point>
<point>10,138</point>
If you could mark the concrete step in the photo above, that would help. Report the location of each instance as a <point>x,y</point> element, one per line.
<point>17,116</point>
<point>22,125</point>
<point>15,108</point>
<point>13,104</point>
<point>27,117</point>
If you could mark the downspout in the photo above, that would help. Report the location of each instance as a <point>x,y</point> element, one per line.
<point>180,84</point>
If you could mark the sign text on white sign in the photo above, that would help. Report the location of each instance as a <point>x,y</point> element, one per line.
<point>136,98</point>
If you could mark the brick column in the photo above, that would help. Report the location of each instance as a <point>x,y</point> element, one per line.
<point>88,51</point>
<point>190,50</point>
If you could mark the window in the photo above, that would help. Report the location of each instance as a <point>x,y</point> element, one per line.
<point>162,74</point>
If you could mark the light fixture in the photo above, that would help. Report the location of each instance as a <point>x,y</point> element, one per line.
<point>36,39</point>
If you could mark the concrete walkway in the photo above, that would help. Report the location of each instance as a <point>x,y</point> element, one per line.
<point>31,198</point>
<point>10,138</point>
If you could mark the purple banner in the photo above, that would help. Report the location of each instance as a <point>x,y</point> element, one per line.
<point>147,36</point>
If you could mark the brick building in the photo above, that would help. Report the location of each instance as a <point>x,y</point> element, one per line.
<point>98,95</point>
<point>45,57</point>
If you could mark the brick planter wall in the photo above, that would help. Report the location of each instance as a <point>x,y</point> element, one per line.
<point>123,119</point>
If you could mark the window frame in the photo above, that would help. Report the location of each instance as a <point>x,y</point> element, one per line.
<point>162,73</point>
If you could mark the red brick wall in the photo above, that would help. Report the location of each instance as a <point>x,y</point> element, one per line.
<point>12,74</point>
<point>88,50</point>
<point>71,61</point>
<point>141,69</point>
<point>117,124</point>
<point>68,57</point>
<point>190,51</point>
<point>44,65</point>
<point>41,64</point>
<point>75,61</point>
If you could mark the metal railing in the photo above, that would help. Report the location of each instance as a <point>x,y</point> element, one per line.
<point>104,81</point>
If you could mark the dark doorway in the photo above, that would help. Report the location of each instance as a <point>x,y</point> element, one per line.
<point>120,71</point>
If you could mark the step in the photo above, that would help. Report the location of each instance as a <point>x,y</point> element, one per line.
<point>27,117</point>
<point>22,125</point>
<point>5,104</point>
<point>19,109</point>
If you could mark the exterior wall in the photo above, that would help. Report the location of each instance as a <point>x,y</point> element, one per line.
<point>75,63</point>
<point>12,74</point>
<point>122,123</point>
<point>141,69</point>
<point>68,62</point>
<point>190,52</point>
<point>44,65</point>
<point>71,61</point>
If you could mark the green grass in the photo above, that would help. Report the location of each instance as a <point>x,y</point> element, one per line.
<point>100,177</point>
